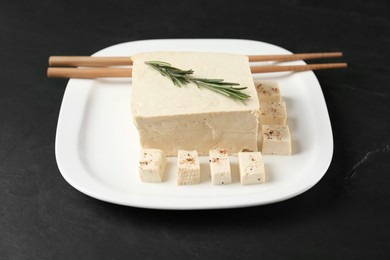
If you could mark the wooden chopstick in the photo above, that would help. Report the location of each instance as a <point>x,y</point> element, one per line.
<point>321,66</point>
<point>126,61</point>
<point>89,61</point>
<point>297,56</point>
<point>90,73</point>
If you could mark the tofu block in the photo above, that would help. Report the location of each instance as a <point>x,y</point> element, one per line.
<point>220,167</point>
<point>273,113</point>
<point>268,91</point>
<point>251,166</point>
<point>174,118</point>
<point>276,140</point>
<point>188,168</point>
<point>152,165</point>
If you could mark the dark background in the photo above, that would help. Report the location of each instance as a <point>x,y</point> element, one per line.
<point>345,216</point>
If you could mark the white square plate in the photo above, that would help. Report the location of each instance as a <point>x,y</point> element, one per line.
<point>97,145</point>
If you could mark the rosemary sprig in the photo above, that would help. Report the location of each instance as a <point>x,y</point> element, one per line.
<point>183,77</point>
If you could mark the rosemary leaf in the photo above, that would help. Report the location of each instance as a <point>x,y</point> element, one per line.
<point>183,77</point>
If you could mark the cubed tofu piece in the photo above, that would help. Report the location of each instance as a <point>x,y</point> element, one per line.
<point>276,140</point>
<point>190,118</point>
<point>152,165</point>
<point>220,167</point>
<point>273,113</point>
<point>188,168</point>
<point>268,91</point>
<point>251,166</point>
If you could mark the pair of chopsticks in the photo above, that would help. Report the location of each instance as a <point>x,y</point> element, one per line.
<point>99,67</point>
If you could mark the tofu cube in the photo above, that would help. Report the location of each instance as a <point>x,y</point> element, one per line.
<point>152,165</point>
<point>276,140</point>
<point>220,167</point>
<point>251,167</point>
<point>188,168</point>
<point>268,91</point>
<point>273,113</point>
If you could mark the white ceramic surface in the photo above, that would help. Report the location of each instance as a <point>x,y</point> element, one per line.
<point>97,145</point>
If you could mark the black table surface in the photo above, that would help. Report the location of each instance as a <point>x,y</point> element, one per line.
<point>344,216</point>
